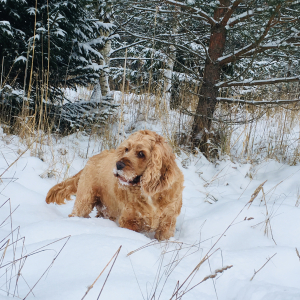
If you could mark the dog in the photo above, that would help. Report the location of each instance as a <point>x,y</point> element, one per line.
<point>138,185</point>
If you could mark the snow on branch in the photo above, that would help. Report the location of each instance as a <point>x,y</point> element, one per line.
<point>199,11</point>
<point>20,58</point>
<point>127,46</point>
<point>258,82</point>
<point>243,16</point>
<point>250,50</point>
<point>252,102</point>
<point>179,46</point>
<point>163,11</point>
<point>230,11</point>
<point>134,58</point>
<point>238,54</point>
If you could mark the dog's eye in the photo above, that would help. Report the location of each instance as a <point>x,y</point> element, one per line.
<point>141,154</point>
<point>126,149</point>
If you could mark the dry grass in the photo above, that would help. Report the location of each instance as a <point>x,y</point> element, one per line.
<point>14,256</point>
<point>241,133</point>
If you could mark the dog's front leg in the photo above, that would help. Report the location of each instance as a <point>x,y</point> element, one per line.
<point>130,220</point>
<point>85,201</point>
<point>166,227</point>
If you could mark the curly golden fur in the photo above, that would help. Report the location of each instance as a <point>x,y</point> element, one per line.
<point>138,184</point>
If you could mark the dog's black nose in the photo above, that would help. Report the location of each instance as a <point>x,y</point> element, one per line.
<point>120,165</point>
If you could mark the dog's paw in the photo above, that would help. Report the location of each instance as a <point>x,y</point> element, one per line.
<point>163,235</point>
<point>130,224</point>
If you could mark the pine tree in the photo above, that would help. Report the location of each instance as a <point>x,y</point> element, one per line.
<point>47,46</point>
<point>63,34</point>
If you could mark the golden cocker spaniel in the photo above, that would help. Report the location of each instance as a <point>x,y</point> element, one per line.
<point>138,184</point>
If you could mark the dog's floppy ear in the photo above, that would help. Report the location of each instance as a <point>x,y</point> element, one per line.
<point>160,172</point>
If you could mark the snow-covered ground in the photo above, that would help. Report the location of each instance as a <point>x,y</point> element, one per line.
<point>64,256</point>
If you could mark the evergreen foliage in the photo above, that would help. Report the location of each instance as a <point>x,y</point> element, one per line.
<point>46,46</point>
<point>64,29</point>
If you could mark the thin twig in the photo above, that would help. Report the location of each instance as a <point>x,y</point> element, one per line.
<point>152,243</point>
<point>255,272</point>
<point>18,158</point>
<point>92,285</point>
<point>117,253</point>
<point>297,252</point>
<point>268,221</point>
<point>68,237</point>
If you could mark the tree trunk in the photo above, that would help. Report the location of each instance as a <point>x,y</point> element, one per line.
<point>104,10</point>
<point>105,69</point>
<point>208,92</point>
<point>168,72</point>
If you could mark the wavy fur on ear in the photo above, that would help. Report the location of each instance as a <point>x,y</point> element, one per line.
<point>160,172</point>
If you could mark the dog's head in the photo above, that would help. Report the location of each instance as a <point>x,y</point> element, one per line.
<point>145,159</point>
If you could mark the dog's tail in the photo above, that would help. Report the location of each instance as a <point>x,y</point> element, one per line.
<point>63,190</point>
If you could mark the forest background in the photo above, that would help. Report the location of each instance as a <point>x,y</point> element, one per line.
<point>215,63</point>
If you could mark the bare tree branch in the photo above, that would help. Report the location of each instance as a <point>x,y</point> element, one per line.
<point>199,11</point>
<point>230,11</point>
<point>244,16</point>
<point>220,120</point>
<point>255,103</point>
<point>127,46</point>
<point>166,43</point>
<point>258,82</point>
<point>170,12</point>
<point>133,58</point>
<point>233,57</point>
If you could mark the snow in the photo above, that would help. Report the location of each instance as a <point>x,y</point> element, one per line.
<point>79,94</point>
<point>4,23</point>
<point>31,11</point>
<point>201,223</point>
<point>21,58</point>
<point>60,32</point>
<point>216,220</point>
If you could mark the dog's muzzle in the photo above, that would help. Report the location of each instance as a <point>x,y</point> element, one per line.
<point>124,180</point>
